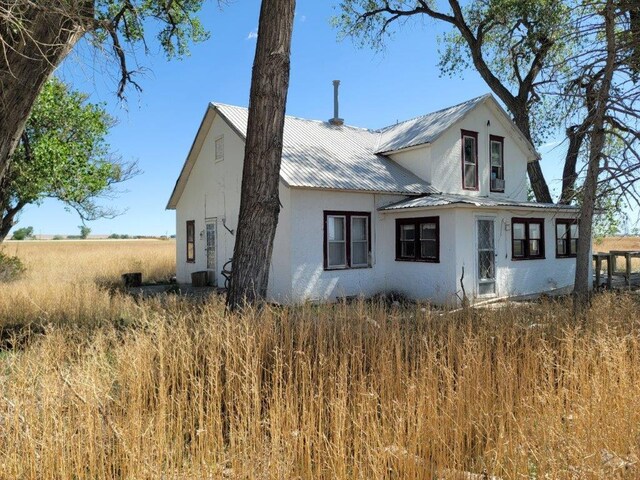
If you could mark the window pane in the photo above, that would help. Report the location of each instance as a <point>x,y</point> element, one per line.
<point>573,246</point>
<point>534,230</point>
<point>470,175</point>
<point>496,154</point>
<point>358,229</point>
<point>190,251</point>
<point>337,254</point>
<point>518,231</point>
<point>518,248</point>
<point>534,247</point>
<point>335,226</point>
<point>561,230</point>
<point>407,232</point>
<point>407,249</point>
<point>574,231</point>
<point>359,254</point>
<point>486,265</point>
<point>470,150</point>
<point>427,231</point>
<point>428,249</point>
<point>561,248</point>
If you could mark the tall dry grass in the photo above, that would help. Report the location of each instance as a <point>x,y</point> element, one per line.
<point>65,280</point>
<point>327,392</point>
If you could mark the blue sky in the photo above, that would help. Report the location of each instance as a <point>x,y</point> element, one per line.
<point>156,127</point>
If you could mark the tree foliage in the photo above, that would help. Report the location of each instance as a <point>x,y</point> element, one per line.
<point>23,233</point>
<point>63,154</point>
<point>36,36</point>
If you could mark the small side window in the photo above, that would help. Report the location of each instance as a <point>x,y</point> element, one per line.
<point>220,149</point>
<point>191,241</point>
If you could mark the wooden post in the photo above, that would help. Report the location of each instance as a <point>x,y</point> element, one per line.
<point>598,260</point>
<point>610,265</point>
<point>627,256</point>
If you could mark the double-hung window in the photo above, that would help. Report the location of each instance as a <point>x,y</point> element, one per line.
<point>566,238</point>
<point>418,239</point>
<point>347,240</point>
<point>191,241</point>
<point>527,238</point>
<point>497,163</point>
<point>469,160</point>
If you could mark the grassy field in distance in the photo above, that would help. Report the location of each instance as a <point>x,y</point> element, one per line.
<point>117,388</point>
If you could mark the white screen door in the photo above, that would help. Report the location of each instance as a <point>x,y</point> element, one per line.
<point>486,257</point>
<point>211,249</point>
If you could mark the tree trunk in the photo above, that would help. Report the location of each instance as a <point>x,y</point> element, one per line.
<point>534,170</point>
<point>8,220</point>
<point>575,135</point>
<point>31,53</point>
<point>596,98</point>
<point>259,202</point>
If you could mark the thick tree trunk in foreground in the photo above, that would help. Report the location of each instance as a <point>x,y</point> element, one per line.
<point>260,203</point>
<point>34,39</point>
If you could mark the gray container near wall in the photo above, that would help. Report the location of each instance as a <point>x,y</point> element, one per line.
<point>200,279</point>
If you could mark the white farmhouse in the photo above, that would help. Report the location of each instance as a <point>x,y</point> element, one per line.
<point>407,208</point>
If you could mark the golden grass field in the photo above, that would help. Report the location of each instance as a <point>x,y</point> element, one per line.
<point>166,389</point>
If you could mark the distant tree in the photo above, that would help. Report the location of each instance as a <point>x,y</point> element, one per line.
<point>63,154</point>
<point>36,35</point>
<point>84,231</point>
<point>259,199</point>
<point>23,233</point>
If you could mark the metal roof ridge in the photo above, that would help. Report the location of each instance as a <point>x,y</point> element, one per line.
<point>417,117</point>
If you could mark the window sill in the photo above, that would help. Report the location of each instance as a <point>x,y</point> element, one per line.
<point>417,260</point>
<point>334,269</point>
<point>515,259</point>
<point>191,261</point>
<point>566,256</point>
<point>496,191</point>
<point>468,189</point>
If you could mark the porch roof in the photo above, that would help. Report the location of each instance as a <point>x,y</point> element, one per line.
<point>445,199</point>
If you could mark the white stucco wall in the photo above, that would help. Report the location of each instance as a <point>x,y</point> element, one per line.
<point>417,160</point>
<point>440,163</point>
<point>421,280</point>
<point>213,192</point>
<point>309,279</point>
<point>513,277</point>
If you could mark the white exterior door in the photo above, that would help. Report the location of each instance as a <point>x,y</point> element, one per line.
<point>486,259</point>
<point>212,234</point>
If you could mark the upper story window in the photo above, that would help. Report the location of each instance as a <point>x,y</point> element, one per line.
<point>497,163</point>
<point>418,239</point>
<point>347,239</point>
<point>566,238</point>
<point>469,160</point>
<point>527,238</point>
<point>219,149</point>
<point>191,241</point>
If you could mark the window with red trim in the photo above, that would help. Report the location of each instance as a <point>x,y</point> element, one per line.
<point>566,238</point>
<point>527,238</point>
<point>497,163</point>
<point>347,240</point>
<point>191,241</point>
<point>469,160</point>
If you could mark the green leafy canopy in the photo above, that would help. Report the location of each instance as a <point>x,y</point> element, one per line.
<point>63,154</point>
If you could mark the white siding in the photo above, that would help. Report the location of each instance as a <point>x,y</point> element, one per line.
<point>514,277</point>
<point>440,163</point>
<point>213,191</point>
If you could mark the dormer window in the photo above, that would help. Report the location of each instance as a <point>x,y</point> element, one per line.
<point>469,160</point>
<point>497,163</point>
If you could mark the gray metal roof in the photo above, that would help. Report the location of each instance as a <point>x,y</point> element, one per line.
<point>317,154</point>
<point>424,129</point>
<point>442,200</point>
